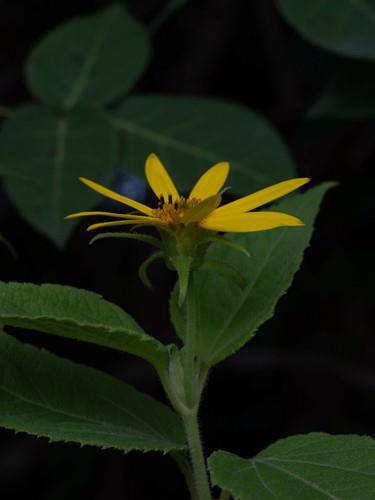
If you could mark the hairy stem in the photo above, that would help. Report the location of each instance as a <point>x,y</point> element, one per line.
<point>190,345</point>
<point>183,463</point>
<point>193,391</point>
<point>197,457</point>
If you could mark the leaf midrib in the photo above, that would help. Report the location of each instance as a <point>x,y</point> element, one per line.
<point>190,149</point>
<point>110,329</point>
<point>86,68</point>
<point>311,484</point>
<point>83,418</point>
<point>317,464</point>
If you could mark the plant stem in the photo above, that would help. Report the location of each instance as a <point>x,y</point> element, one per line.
<point>197,457</point>
<point>183,463</point>
<point>190,344</point>
<point>192,395</point>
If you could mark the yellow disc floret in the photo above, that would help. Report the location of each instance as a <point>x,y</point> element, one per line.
<point>172,212</point>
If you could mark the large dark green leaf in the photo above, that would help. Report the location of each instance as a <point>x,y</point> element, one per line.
<point>45,395</point>
<point>312,466</point>
<point>41,157</point>
<point>190,134</point>
<point>77,314</point>
<point>229,316</point>
<point>346,27</point>
<point>88,59</point>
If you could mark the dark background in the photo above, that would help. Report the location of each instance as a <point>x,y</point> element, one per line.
<point>308,369</point>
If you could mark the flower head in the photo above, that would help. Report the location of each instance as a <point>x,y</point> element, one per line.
<point>201,208</point>
<point>188,225</point>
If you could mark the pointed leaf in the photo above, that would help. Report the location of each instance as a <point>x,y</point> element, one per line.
<point>91,59</point>
<point>42,156</point>
<point>191,134</point>
<point>227,316</point>
<point>145,238</point>
<point>342,26</point>
<point>143,268</point>
<point>314,466</point>
<point>77,314</point>
<point>45,395</point>
<point>182,264</point>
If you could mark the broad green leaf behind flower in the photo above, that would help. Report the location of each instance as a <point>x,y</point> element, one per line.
<point>230,316</point>
<point>191,134</point>
<point>42,155</point>
<point>77,314</point>
<point>345,27</point>
<point>45,395</point>
<point>88,59</point>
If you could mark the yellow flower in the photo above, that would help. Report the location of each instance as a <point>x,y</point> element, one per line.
<point>201,208</point>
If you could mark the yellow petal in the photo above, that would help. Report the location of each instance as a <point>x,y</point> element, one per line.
<point>115,196</point>
<point>211,181</point>
<point>146,220</point>
<point>248,222</point>
<point>159,179</point>
<point>261,197</point>
<point>107,214</point>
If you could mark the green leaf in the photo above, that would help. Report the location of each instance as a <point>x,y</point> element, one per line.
<point>143,268</point>
<point>349,95</point>
<point>346,27</point>
<point>144,238</point>
<point>77,314</point>
<point>224,269</point>
<point>190,134</point>
<point>42,156</point>
<point>91,59</point>
<point>222,240</point>
<point>45,395</point>
<point>227,316</point>
<point>312,466</point>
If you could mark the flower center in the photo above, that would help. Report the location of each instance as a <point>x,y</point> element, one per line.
<point>172,212</point>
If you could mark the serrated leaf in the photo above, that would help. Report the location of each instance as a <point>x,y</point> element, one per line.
<point>227,316</point>
<point>346,27</point>
<point>45,395</point>
<point>349,95</point>
<point>190,134</point>
<point>43,154</point>
<point>77,314</point>
<point>312,466</point>
<point>91,59</point>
